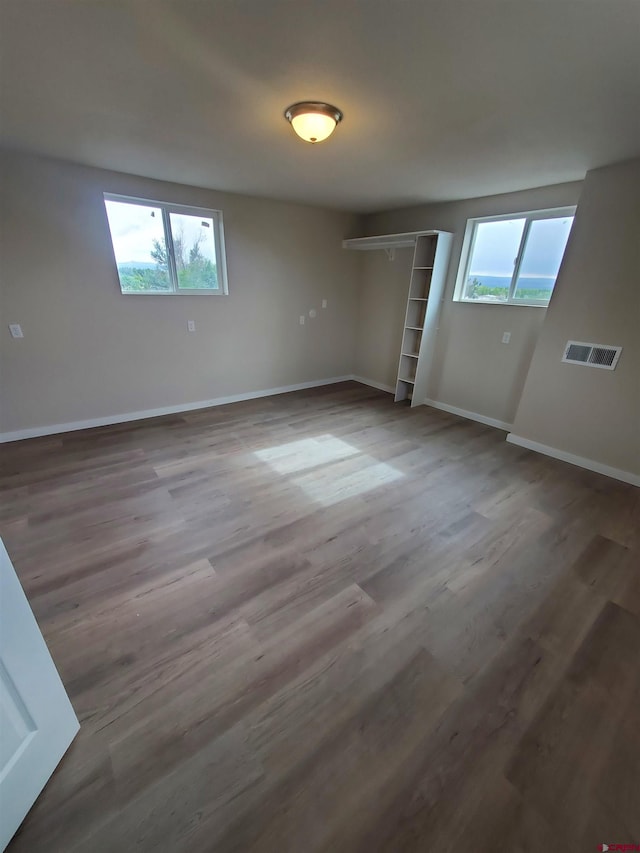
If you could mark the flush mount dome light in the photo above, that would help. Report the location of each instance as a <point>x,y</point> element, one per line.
<point>313,121</point>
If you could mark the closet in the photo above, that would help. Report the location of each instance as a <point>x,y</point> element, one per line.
<point>424,299</point>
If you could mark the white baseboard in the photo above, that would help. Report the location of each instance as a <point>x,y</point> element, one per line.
<point>580,461</point>
<point>54,429</point>
<point>372,382</point>
<point>445,407</point>
<point>472,416</point>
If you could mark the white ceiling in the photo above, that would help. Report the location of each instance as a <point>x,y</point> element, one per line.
<point>442,100</point>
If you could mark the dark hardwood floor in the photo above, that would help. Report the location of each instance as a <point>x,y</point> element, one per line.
<point>325,622</point>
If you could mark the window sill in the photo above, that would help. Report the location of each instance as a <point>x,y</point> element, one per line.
<point>501,304</point>
<point>173,293</point>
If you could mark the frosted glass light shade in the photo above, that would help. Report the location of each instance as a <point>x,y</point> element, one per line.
<point>313,121</point>
<point>313,127</point>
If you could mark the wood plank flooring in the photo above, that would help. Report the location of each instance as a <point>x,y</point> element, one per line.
<point>325,622</point>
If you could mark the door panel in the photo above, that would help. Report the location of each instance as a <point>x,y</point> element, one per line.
<point>37,722</point>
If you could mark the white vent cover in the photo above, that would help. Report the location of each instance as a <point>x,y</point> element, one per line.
<point>592,355</point>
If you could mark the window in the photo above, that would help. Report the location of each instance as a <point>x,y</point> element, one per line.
<point>166,248</point>
<point>513,260</point>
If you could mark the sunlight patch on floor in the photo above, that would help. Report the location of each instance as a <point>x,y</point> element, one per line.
<point>307,453</point>
<point>328,486</point>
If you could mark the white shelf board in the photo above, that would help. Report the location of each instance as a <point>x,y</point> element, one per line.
<point>418,299</point>
<point>387,241</point>
<point>422,268</point>
<point>415,328</point>
<point>408,381</point>
<point>410,354</point>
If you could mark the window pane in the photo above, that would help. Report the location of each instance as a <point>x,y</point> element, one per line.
<point>195,251</point>
<point>542,257</point>
<point>494,255</point>
<point>137,234</point>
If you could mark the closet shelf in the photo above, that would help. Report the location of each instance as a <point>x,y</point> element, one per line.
<point>388,241</point>
<point>426,290</point>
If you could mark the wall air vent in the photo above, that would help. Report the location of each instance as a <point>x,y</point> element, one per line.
<point>591,355</point>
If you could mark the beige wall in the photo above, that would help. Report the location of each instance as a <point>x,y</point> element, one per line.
<point>91,352</point>
<point>584,411</point>
<point>473,371</point>
<point>382,302</point>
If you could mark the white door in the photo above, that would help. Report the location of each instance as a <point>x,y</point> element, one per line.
<point>37,722</point>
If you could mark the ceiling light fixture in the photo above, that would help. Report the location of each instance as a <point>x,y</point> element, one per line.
<point>313,121</point>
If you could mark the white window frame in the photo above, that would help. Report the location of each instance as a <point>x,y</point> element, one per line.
<point>469,243</point>
<point>218,238</point>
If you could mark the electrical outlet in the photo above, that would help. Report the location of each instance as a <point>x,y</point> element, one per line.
<point>312,313</point>
<point>16,330</point>
<point>191,325</point>
<point>506,337</point>
<point>324,303</point>
<point>302,319</point>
